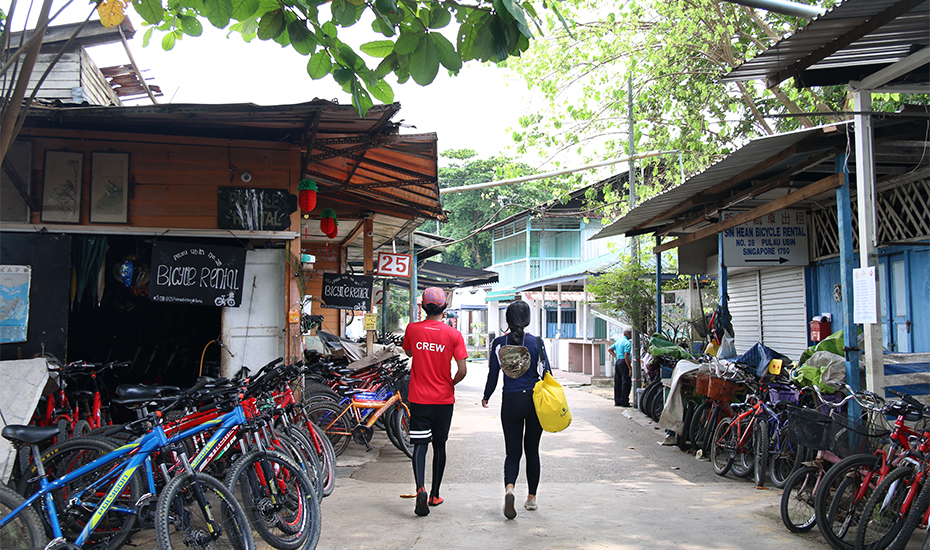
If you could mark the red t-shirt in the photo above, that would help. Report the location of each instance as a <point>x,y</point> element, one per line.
<point>433,346</point>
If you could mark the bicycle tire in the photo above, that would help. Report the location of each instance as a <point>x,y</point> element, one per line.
<point>282,507</point>
<point>914,518</point>
<point>306,444</point>
<point>712,422</point>
<point>784,458</point>
<point>648,395</point>
<point>745,455</point>
<point>698,427</point>
<point>389,425</point>
<point>64,430</point>
<point>25,531</point>
<point>760,445</point>
<point>327,458</point>
<point>81,428</point>
<point>402,430</point>
<point>178,508</point>
<point>837,514</point>
<point>305,459</point>
<point>723,450</point>
<point>65,457</point>
<point>658,403</point>
<point>797,500</point>
<point>330,418</point>
<point>882,518</point>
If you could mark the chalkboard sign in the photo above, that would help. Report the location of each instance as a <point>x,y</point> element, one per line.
<point>347,291</point>
<point>190,273</point>
<point>250,209</point>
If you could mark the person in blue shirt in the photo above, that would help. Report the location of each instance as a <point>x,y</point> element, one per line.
<point>623,369</point>
<point>522,430</point>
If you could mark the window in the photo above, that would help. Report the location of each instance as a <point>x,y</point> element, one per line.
<point>568,323</point>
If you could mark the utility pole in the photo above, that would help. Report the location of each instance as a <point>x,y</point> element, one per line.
<point>634,242</point>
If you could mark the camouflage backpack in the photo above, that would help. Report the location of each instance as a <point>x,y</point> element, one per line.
<point>515,360</point>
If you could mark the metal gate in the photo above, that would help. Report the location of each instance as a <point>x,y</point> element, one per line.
<point>784,310</point>
<point>745,309</point>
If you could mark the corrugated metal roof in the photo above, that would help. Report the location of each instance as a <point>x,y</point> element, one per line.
<point>851,41</point>
<point>649,213</point>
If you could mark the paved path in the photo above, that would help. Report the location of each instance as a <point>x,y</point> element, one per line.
<point>606,483</point>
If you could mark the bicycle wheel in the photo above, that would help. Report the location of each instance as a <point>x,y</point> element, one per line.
<point>25,530</point>
<point>699,424</point>
<point>760,445</point>
<point>883,514</point>
<point>81,427</point>
<point>797,500</point>
<point>278,499</point>
<point>835,504</point>
<point>915,517</point>
<point>195,511</point>
<point>713,421</point>
<point>324,449</point>
<point>723,450</point>
<point>657,404</point>
<point>745,454</point>
<point>76,500</point>
<point>402,430</point>
<point>783,459</point>
<point>330,418</point>
<point>301,455</point>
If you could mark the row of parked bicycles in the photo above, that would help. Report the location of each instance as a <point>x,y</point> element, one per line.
<point>213,466</point>
<point>851,464</point>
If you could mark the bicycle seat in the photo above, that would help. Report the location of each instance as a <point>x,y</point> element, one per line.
<point>82,394</point>
<point>28,434</point>
<point>138,391</point>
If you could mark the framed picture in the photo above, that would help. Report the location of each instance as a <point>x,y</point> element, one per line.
<point>61,190</point>
<point>109,188</point>
<point>13,208</point>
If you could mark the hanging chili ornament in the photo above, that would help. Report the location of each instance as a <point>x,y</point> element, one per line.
<point>328,221</point>
<point>306,199</point>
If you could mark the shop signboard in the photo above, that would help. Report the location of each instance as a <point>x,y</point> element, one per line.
<point>251,209</point>
<point>191,273</point>
<point>347,291</point>
<point>779,238</point>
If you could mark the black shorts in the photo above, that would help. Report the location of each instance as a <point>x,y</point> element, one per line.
<point>429,423</point>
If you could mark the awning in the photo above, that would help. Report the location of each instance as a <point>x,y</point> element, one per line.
<point>506,295</point>
<point>447,277</point>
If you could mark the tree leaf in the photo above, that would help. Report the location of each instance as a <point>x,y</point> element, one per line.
<point>244,9</point>
<point>500,39</point>
<point>439,17</point>
<point>343,76</point>
<point>424,62</point>
<point>449,58</point>
<point>378,48</point>
<point>167,41</point>
<point>218,12</point>
<point>386,6</point>
<point>320,65</point>
<point>329,29</point>
<point>111,12</point>
<point>301,39</point>
<point>407,42</point>
<point>382,91</point>
<point>345,13</point>
<point>147,37</point>
<point>271,25</point>
<point>516,12</point>
<point>360,98</point>
<point>380,25</point>
<point>150,10</point>
<point>190,25</point>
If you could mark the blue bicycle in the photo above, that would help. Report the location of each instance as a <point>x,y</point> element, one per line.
<point>193,509</point>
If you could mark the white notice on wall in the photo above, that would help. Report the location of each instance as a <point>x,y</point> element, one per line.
<point>864,305</point>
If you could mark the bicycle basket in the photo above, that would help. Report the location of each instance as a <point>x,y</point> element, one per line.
<point>849,436</point>
<point>808,427</point>
<point>721,389</point>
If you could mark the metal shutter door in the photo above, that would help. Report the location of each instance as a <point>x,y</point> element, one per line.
<point>784,310</point>
<point>744,306</point>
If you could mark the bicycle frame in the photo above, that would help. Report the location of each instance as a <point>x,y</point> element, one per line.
<point>141,451</point>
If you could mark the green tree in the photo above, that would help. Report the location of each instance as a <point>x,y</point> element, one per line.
<point>469,211</point>
<point>676,53</point>
<point>628,290</point>
<point>411,39</point>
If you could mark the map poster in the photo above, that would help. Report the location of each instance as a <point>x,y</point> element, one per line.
<point>14,302</point>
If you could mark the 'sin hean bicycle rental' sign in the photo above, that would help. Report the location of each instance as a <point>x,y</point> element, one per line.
<point>779,238</point>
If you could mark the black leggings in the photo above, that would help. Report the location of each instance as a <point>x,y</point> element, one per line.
<point>521,436</point>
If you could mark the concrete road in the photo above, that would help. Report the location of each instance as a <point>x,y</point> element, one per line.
<point>606,483</point>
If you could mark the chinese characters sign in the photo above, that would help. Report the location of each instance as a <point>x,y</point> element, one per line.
<point>779,238</point>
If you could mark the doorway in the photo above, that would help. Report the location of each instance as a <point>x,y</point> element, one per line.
<point>893,303</point>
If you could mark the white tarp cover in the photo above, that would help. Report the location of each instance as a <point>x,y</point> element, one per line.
<point>23,383</point>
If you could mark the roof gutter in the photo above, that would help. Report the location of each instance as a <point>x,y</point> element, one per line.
<point>783,7</point>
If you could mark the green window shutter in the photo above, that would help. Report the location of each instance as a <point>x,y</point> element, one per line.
<point>600,328</point>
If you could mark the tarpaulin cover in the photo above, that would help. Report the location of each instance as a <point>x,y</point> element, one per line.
<point>759,356</point>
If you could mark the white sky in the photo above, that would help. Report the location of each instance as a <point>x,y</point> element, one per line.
<point>473,110</point>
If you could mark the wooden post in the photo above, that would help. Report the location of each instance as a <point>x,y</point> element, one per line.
<point>369,271</point>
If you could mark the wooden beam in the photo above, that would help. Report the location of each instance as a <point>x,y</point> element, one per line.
<point>826,184</point>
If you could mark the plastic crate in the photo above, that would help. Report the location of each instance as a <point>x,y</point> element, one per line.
<point>783,394</point>
<point>808,427</point>
<point>720,389</point>
<point>849,436</point>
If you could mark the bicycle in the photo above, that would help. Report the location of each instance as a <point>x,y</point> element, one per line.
<point>185,505</point>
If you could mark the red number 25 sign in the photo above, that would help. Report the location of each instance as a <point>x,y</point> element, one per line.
<point>393,265</point>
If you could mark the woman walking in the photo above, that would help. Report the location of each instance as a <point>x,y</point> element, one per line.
<point>522,357</point>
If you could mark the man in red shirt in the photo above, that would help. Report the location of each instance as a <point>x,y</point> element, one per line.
<point>432,345</point>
